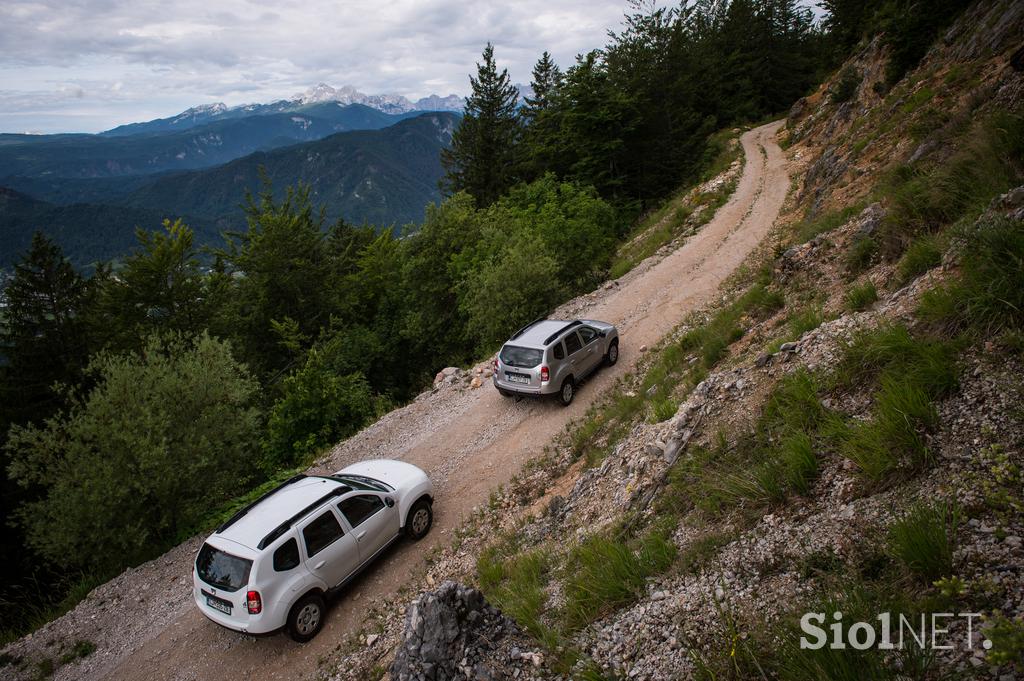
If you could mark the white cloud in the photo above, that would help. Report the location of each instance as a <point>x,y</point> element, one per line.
<point>138,60</point>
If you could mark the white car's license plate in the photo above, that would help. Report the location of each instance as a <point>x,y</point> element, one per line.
<point>517,378</point>
<point>219,605</point>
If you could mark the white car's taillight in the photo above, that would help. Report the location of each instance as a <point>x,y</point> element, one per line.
<point>545,375</point>
<point>253,602</point>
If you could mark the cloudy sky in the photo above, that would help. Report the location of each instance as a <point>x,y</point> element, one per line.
<point>88,65</point>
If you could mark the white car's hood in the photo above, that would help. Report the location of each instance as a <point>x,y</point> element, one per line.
<point>398,474</point>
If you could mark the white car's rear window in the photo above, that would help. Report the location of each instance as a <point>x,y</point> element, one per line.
<point>222,570</point>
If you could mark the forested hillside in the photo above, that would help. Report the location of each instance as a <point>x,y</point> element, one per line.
<point>309,327</point>
<point>384,177</point>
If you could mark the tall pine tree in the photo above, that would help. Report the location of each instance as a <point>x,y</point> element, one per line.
<point>44,336</point>
<point>541,116</point>
<point>483,156</point>
<point>547,78</point>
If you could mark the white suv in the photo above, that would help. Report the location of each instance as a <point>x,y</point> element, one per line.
<point>272,563</point>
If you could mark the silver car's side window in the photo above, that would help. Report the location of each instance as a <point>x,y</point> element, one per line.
<point>588,334</point>
<point>572,343</point>
<point>559,350</point>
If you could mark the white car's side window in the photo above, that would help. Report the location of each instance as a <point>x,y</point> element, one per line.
<point>321,533</point>
<point>358,508</point>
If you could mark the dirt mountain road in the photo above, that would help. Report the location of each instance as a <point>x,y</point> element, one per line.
<point>469,441</point>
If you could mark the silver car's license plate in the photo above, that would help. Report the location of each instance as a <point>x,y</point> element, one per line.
<point>517,378</point>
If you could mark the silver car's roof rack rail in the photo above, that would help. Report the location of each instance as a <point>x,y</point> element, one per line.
<point>238,515</point>
<point>521,331</point>
<point>562,330</point>
<point>286,525</point>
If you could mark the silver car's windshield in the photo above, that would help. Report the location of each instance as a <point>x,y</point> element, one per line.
<point>525,358</point>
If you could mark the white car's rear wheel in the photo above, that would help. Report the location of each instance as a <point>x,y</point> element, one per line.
<point>306,618</point>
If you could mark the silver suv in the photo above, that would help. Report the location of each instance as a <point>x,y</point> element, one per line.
<point>549,357</point>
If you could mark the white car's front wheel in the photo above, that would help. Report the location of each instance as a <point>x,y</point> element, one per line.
<point>419,520</point>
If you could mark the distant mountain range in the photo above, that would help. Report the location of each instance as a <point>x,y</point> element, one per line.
<point>299,103</point>
<point>159,146</point>
<point>384,176</point>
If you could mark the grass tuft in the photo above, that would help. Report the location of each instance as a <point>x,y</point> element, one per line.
<point>861,254</point>
<point>912,374</point>
<point>79,650</point>
<point>925,539</point>
<point>605,574</point>
<point>893,436</point>
<point>989,295</point>
<point>860,297</point>
<point>515,583</point>
<point>923,254</point>
<point>826,222</point>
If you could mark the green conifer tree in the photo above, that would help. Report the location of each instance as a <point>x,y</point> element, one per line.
<point>482,158</point>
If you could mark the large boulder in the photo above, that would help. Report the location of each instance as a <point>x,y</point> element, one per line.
<point>447,633</point>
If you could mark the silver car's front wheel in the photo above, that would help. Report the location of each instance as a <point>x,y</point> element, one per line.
<point>613,354</point>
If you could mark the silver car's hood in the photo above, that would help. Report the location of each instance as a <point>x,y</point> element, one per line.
<point>398,474</point>
<point>600,326</point>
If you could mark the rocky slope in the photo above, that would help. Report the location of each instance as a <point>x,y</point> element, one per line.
<point>570,550</point>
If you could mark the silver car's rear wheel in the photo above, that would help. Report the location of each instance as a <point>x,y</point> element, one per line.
<point>306,618</point>
<point>567,393</point>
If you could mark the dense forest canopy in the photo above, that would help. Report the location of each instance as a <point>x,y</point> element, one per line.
<point>137,403</point>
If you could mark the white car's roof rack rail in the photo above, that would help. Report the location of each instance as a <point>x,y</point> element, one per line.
<point>286,525</point>
<point>238,515</point>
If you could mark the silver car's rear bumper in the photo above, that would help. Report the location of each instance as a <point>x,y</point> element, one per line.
<point>520,389</point>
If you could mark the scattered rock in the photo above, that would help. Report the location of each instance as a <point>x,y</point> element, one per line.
<point>869,220</point>
<point>442,628</point>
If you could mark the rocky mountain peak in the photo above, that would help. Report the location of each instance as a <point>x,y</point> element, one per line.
<point>388,103</point>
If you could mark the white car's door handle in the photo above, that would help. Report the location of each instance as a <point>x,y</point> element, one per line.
<point>320,565</point>
<point>359,537</point>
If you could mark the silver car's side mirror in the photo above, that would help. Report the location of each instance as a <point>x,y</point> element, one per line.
<point>389,501</point>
